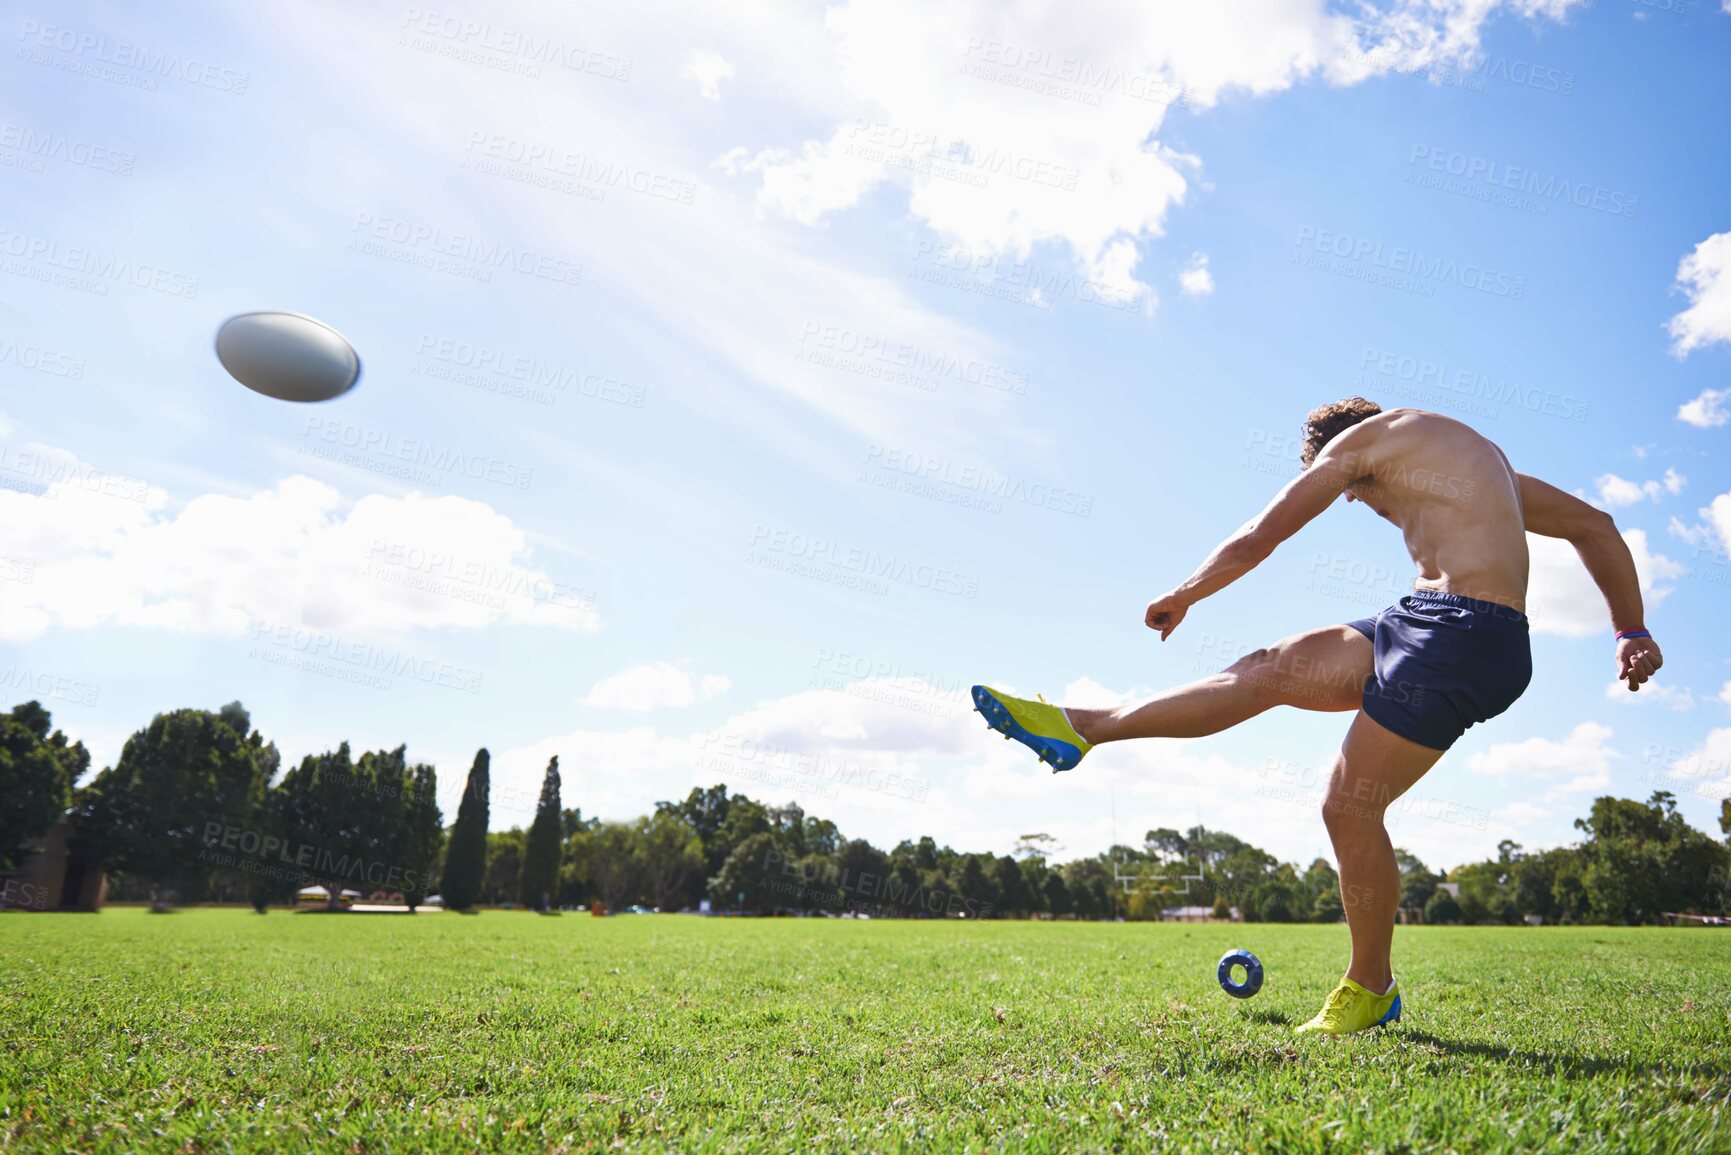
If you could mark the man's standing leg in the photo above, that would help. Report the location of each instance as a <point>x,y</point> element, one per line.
<point>1374,768</point>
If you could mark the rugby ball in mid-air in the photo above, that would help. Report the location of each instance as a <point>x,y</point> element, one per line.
<point>288,356</point>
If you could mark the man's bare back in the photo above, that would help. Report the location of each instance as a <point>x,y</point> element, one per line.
<point>1454,496</point>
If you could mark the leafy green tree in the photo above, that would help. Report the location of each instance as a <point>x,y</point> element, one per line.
<point>1442,908</point>
<point>905,894</point>
<point>976,887</point>
<point>1056,894</point>
<point>1011,885</point>
<point>1166,843</point>
<point>466,855</point>
<point>328,820</point>
<point>38,767</point>
<point>670,854</point>
<point>615,865</point>
<point>746,881</point>
<point>423,835</point>
<point>1282,898</point>
<point>539,879</point>
<point>504,875</point>
<point>862,872</point>
<point>1417,881</point>
<point>1039,845</point>
<point>166,808</point>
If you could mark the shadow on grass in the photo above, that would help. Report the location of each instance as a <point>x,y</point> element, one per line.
<point>1572,1065</point>
<point>1275,1018</point>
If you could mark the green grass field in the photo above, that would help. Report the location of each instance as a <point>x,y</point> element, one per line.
<point>219,1030</point>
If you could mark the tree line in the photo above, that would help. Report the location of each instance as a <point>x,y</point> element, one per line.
<point>198,808</point>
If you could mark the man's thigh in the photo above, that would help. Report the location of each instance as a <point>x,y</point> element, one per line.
<point>1322,669</point>
<point>1375,767</point>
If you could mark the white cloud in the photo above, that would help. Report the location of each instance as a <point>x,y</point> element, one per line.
<point>1579,762</point>
<point>1705,771</point>
<point>652,686</point>
<point>1725,693</point>
<point>1522,812</point>
<point>109,551</point>
<point>1652,693</point>
<point>709,69</point>
<point>1561,596</point>
<point>1060,107</point>
<point>1615,491</point>
<point>1708,411</point>
<point>1196,280</point>
<point>1705,278</point>
<point>1715,523</point>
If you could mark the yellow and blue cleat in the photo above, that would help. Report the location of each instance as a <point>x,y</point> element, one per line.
<point>1040,726</point>
<point>1351,1008</point>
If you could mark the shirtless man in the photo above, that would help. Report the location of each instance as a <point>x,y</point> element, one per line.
<point>1451,653</point>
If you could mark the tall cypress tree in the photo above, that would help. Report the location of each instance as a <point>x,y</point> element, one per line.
<point>539,880</point>
<point>466,861</point>
<point>424,836</point>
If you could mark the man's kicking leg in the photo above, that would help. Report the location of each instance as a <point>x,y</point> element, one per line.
<point>1375,766</point>
<point>1322,669</point>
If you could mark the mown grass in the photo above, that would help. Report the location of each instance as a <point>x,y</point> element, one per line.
<point>218,1030</point>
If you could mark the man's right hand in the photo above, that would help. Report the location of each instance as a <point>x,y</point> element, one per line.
<point>1637,660</point>
<point>1164,614</point>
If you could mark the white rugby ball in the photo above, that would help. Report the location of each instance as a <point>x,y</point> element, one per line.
<point>289,356</point>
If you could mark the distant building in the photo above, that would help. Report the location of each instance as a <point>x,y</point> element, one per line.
<point>1195,914</point>
<point>52,879</point>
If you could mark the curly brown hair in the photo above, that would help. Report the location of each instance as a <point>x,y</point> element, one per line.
<point>1325,422</point>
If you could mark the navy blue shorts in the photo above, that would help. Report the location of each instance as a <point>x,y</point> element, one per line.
<point>1444,662</point>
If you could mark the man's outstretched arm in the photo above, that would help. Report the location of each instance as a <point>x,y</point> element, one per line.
<point>1552,513</point>
<point>1296,504</point>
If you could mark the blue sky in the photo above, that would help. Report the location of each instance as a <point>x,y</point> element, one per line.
<point>739,389</point>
